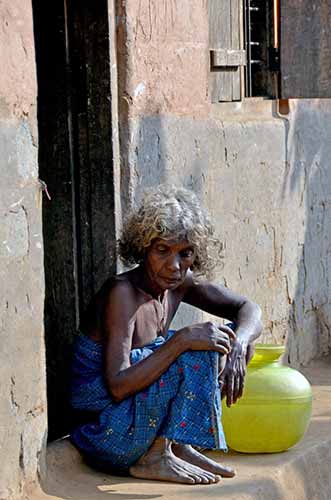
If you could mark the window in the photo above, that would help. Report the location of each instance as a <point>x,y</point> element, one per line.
<point>262,48</point>
<point>270,48</point>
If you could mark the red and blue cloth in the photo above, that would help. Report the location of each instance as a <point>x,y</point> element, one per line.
<point>183,405</point>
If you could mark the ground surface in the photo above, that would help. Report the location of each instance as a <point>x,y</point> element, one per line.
<point>302,473</point>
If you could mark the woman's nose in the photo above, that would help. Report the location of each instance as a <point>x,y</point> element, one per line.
<point>174,263</point>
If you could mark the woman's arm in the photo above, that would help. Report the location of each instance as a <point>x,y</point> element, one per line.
<point>224,303</point>
<point>122,379</point>
<point>246,315</point>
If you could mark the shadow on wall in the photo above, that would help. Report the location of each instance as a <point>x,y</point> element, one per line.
<point>153,152</point>
<point>309,153</point>
<point>160,152</point>
<point>155,149</point>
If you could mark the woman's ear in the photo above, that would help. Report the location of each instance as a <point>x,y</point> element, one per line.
<point>195,264</point>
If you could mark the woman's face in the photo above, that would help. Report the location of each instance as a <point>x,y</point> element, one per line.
<point>167,262</point>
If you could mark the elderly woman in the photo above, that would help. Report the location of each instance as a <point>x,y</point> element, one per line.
<point>153,395</point>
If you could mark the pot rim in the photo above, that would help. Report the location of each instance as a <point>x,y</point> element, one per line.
<point>270,347</point>
<point>267,353</point>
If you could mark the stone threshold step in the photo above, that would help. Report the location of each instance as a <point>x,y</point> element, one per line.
<point>302,473</point>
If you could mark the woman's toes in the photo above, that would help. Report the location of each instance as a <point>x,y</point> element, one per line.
<point>228,472</point>
<point>194,476</point>
<point>189,480</point>
<point>185,475</point>
<point>204,479</point>
<point>197,479</point>
<point>211,477</point>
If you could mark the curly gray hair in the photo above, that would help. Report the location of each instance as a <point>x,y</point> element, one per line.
<point>170,212</point>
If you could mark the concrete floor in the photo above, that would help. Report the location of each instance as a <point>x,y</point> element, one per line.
<point>302,473</point>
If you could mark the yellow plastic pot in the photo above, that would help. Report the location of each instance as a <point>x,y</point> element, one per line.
<point>275,409</point>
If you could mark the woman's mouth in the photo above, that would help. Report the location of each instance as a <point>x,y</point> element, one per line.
<point>171,281</point>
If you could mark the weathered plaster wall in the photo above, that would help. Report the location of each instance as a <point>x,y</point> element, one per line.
<point>264,178</point>
<point>22,386</point>
<point>309,175</point>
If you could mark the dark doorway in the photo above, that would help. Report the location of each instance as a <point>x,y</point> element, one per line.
<point>75,161</point>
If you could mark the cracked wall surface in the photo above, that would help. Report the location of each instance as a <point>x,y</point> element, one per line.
<point>264,177</point>
<point>22,366</point>
<point>309,175</point>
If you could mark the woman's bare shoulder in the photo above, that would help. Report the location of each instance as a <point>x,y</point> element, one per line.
<point>116,293</point>
<point>117,287</point>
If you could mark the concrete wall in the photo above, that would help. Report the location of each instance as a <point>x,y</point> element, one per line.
<point>264,178</point>
<point>22,367</point>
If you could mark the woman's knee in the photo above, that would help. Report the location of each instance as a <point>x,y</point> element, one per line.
<point>198,359</point>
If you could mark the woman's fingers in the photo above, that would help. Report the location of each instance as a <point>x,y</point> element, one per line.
<point>220,336</point>
<point>224,341</point>
<point>223,386</point>
<point>229,391</point>
<point>228,330</point>
<point>221,348</point>
<point>236,387</point>
<point>241,387</point>
<point>242,381</point>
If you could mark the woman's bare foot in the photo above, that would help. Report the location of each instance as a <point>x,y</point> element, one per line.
<point>189,454</point>
<point>159,463</point>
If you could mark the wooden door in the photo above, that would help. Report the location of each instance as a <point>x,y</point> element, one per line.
<point>305,57</point>
<point>227,54</point>
<point>76,162</point>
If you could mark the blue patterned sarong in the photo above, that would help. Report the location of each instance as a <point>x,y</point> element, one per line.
<point>183,405</point>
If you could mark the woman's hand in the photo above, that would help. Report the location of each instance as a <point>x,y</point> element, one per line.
<point>207,336</point>
<point>232,379</point>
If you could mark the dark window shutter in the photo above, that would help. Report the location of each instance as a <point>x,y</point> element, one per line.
<point>305,48</point>
<point>227,57</point>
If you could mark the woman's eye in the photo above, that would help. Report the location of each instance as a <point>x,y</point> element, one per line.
<point>161,249</point>
<point>186,254</point>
